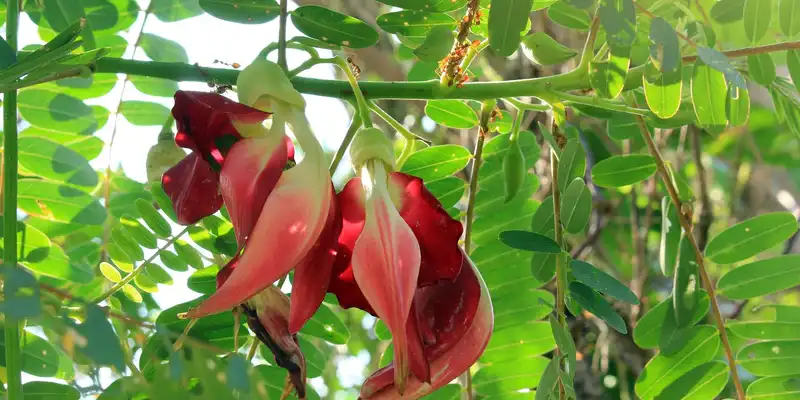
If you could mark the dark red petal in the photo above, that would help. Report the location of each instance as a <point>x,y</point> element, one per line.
<point>446,309</point>
<point>205,122</point>
<point>312,276</point>
<point>225,272</point>
<point>436,232</point>
<point>343,283</point>
<point>417,360</point>
<point>193,188</point>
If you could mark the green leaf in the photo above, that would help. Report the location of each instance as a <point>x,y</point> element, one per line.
<point>569,17</point>
<point>158,274</point>
<point>159,49</point>
<point>766,330</point>
<point>529,241</point>
<point>737,106</point>
<point>604,283</point>
<point>154,86</point>
<point>774,388</point>
<point>727,11</point>
<point>56,162</point>
<point>39,255</point>
<point>503,379</point>
<point>448,190</point>
<point>327,326</point>
<point>658,325</point>
<point>517,307</point>
<point>153,218</point>
<point>204,280</point>
<point>436,45</point>
<point>242,11</point>
<point>215,329</point>
<point>542,221</point>
<point>757,17</point>
<point>138,232</point>
<point>101,345</point>
<point>773,358</point>
<point>663,90</point>
<point>576,206</point>
<point>670,237</point>
<point>762,68</point>
<point>721,63</point>
<point>332,27</point>
<point>761,278</point>
<point>708,96</point>
<point>145,284</point>
<point>750,237</point>
<point>618,18</point>
<point>60,112</point>
<point>618,171</point>
<point>507,20</point>
<point>789,17</point>
<point>622,126</point>
<point>143,113</point>
<point>597,305</point>
<point>110,272</point>
<point>415,23</point>
<point>172,261</point>
<point>542,49</point>
<point>663,370</point>
<point>705,381</point>
<point>665,52</point>
<point>608,77</point>
<point>58,202</point>
<point>427,5</point>
<point>437,162</point>
<point>451,113</point>
<point>131,293</point>
<point>530,338</point>
<point>127,244</point>
<point>39,357</point>
<point>566,345</point>
<point>572,163</point>
<point>686,285</point>
<point>49,391</point>
<point>188,253</point>
<point>175,10</point>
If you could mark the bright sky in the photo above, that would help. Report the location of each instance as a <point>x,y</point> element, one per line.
<point>206,39</point>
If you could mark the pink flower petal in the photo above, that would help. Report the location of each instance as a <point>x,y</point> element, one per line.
<point>436,232</point>
<point>386,261</point>
<point>313,274</point>
<point>461,317</point>
<point>205,122</point>
<point>250,173</point>
<point>290,223</point>
<point>193,188</point>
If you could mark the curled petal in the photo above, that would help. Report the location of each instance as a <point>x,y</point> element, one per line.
<point>385,261</point>
<point>249,175</point>
<point>206,122</point>
<point>290,223</point>
<point>267,316</point>
<point>313,274</point>
<point>460,316</point>
<point>193,188</point>
<point>436,232</point>
<point>343,282</point>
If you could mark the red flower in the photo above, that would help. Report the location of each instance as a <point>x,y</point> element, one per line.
<point>397,226</point>
<point>207,125</point>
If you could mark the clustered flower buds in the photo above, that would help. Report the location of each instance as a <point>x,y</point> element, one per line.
<point>383,244</point>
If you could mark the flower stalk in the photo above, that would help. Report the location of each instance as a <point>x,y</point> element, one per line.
<point>10,166</point>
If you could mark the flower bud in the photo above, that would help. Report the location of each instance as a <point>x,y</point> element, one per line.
<point>369,144</point>
<point>514,169</point>
<point>263,82</point>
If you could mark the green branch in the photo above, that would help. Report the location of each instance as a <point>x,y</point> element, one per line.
<point>12,326</point>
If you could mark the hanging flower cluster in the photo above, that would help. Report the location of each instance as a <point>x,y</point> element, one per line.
<point>384,244</point>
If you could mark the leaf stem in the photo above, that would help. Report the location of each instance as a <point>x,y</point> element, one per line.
<point>686,223</point>
<point>124,281</point>
<point>282,35</point>
<point>588,47</point>
<point>12,326</point>
<point>400,128</point>
<point>361,101</point>
<point>355,125</point>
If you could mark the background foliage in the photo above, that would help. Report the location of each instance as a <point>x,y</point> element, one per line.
<point>708,82</point>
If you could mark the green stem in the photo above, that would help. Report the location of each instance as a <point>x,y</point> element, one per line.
<point>361,101</point>
<point>355,125</point>
<point>588,48</point>
<point>12,326</point>
<point>119,285</point>
<point>521,105</point>
<point>568,98</point>
<point>408,149</point>
<point>402,130</point>
<point>486,110</point>
<point>282,36</point>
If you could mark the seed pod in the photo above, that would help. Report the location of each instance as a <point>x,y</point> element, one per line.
<point>514,169</point>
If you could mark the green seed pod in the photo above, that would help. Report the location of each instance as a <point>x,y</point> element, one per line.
<point>371,144</point>
<point>161,157</point>
<point>514,169</point>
